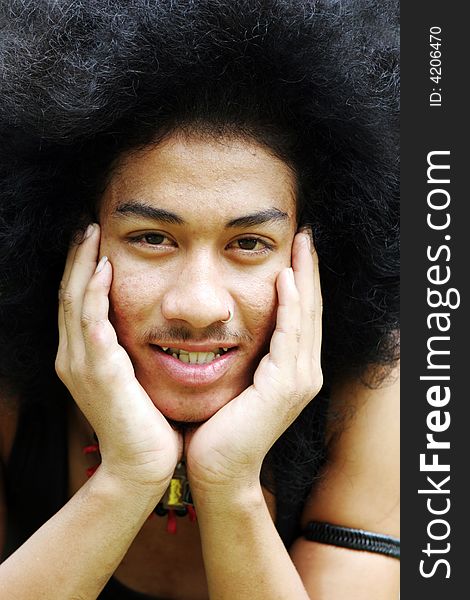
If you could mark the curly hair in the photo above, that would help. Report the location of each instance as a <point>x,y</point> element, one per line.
<point>315,81</point>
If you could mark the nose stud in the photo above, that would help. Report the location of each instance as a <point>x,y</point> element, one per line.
<point>230,316</point>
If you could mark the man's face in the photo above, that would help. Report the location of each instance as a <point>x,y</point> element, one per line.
<point>195,227</point>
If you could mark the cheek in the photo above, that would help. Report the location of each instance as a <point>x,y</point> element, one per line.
<point>132,291</point>
<point>259,292</point>
<point>132,302</point>
<point>258,303</point>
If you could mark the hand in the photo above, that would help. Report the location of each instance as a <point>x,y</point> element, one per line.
<point>136,441</point>
<point>228,450</point>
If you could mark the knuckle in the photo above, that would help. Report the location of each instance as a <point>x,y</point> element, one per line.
<point>312,314</point>
<point>86,321</point>
<point>291,390</point>
<point>281,329</point>
<point>310,382</point>
<point>315,385</point>
<point>65,298</point>
<point>296,397</point>
<point>62,285</point>
<point>60,368</point>
<point>95,331</point>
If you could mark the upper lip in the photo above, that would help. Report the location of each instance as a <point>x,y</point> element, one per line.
<point>195,346</point>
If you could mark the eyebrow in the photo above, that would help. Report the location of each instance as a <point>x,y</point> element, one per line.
<point>141,209</point>
<point>270,215</point>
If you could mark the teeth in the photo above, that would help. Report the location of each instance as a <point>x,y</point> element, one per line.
<point>205,357</point>
<point>194,358</point>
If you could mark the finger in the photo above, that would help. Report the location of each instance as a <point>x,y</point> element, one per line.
<point>74,245</point>
<point>63,285</point>
<point>284,347</point>
<point>307,280</point>
<point>98,333</point>
<point>82,269</point>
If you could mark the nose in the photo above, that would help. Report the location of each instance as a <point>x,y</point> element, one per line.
<point>198,295</point>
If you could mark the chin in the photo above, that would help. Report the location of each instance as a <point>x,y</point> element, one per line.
<point>193,407</point>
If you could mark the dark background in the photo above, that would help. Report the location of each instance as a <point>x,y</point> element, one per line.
<point>425,129</point>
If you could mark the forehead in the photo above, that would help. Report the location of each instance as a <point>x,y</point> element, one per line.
<point>201,177</point>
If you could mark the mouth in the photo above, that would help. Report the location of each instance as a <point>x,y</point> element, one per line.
<point>195,364</point>
<point>195,357</point>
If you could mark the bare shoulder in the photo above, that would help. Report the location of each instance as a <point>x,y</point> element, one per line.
<point>359,488</point>
<point>360,483</point>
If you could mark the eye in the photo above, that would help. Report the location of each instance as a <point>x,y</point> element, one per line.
<point>249,244</point>
<point>253,245</point>
<point>154,239</point>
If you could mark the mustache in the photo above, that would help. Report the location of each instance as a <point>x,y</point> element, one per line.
<point>217,332</point>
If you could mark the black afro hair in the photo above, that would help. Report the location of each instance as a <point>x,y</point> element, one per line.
<point>316,81</point>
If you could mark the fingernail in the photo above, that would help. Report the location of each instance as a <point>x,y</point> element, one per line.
<point>307,231</point>
<point>89,230</point>
<point>100,265</point>
<point>310,242</point>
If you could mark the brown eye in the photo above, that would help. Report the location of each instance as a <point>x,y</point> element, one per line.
<point>250,248</point>
<point>154,239</point>
<point>247,243</point>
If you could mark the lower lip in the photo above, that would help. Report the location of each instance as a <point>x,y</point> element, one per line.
<point>193,375</point>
